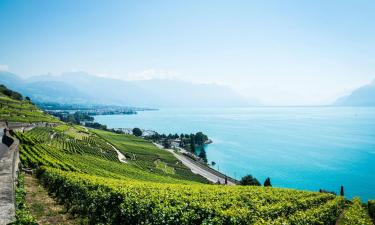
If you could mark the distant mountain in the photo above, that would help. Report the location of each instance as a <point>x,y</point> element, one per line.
<point>80,87</point>
<point>363,96</point>
<point>44,91</point>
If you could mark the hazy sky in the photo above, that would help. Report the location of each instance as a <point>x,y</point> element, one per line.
<point>281,52</point>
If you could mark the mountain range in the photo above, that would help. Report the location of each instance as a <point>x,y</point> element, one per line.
<point>363,96</point>
<point>83,88</point>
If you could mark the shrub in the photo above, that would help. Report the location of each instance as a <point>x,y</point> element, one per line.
<point>371,208</point>
<point>356,214</point>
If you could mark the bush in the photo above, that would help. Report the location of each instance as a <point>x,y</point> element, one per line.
<point>267,182</point>
<point>23,215</point>
<point>137,132</point>
<point>249,180</point>
<point>356,214</point>
<point>371,208</point>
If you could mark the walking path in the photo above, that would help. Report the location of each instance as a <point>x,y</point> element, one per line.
<point>7,206</point>
<point>196,168</point>
<point>120,156</point>
<point>43,207</point>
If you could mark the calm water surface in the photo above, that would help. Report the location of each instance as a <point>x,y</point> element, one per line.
<point>297,147</point>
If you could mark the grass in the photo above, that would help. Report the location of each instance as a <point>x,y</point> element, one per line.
<point>44,208</point>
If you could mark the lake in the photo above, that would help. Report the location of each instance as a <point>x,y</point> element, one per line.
<point>305,148</point>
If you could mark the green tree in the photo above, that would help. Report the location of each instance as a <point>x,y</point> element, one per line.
<point>203,155</point>
<point>249,180</point>
<point>192,144</point>
<point>267,182</point>
<point>200,138</point>
<point>166,143</point>
<point>137,132</point>
<point>342,190</point>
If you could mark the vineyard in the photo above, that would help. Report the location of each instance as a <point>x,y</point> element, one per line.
<point>86,176</point>
<point>22,111</point>
<point>81,170</point>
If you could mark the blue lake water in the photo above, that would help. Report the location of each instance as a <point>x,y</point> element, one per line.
<point>297,147</point>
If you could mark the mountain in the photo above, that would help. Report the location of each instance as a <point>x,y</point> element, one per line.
<point>43,91</point>
<point>81,87</point>
<point>363,96</point>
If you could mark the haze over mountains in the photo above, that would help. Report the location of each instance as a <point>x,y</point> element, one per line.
<point>80,87</point>
<point>363,96</point>
<point>83,88</point>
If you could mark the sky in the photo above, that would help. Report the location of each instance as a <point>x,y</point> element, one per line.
<point>280,52</point>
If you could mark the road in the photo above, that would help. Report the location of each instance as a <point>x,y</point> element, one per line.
<point>197,168</point>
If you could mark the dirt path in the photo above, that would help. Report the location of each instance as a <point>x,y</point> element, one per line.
<point>43,207</point>
<point>120,156</point>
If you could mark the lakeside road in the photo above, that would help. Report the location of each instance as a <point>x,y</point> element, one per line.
<point>197,168</point>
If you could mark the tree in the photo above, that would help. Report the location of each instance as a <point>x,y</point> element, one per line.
<point>27,98</point>
<point>200,138</point>
<point>213,163</point>
<point>202,155</point>
<point>342,190</point>
<point>166,143</point>
<point>192,145</point>
<point>249,180</point>
<point>267,182</point>
<point>137,132</point>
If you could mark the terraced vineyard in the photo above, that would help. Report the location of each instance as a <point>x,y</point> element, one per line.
<point>22,111</point>
<point>82,171</point>
<point>86,176</point>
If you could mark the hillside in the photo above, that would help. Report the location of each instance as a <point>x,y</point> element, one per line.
<point>80,87</point>
<point>363,96</point>
<point>12,109</point>
<point>81,170</point>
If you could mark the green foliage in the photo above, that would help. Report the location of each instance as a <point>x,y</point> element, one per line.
<point>137,132</point>
<point>203,155</point>
<point>84,174</point>
<point>267,182</point>
<point>75,118</point>
<point>342,191</point>
<point>96,125</point>
<point>143,154</point>
<point>23,215</point>
<point>356,214</point>
<point>249,180</point>
<point>12,94</point>
<point>22,111</point>
<point>371,208</point>
<point>113,201</point>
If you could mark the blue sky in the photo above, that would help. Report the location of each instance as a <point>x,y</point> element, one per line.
<point>281,52</point>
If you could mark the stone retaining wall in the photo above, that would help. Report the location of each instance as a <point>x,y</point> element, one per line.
<point>9,167</point>
<point>8,179</point>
